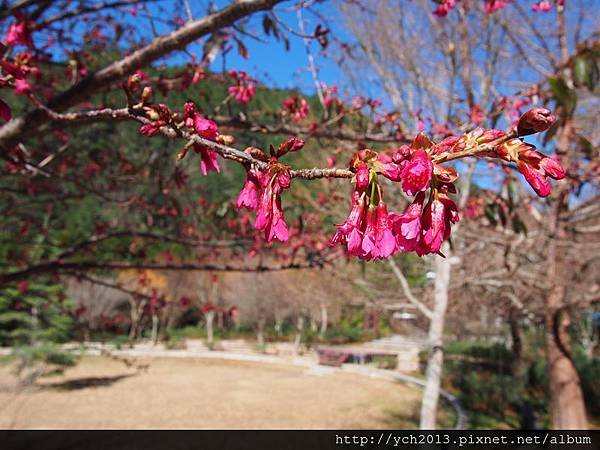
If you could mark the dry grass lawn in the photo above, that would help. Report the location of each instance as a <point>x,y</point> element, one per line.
<point>196,393</point>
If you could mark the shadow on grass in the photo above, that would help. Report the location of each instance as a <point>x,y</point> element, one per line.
<point>87,382</point>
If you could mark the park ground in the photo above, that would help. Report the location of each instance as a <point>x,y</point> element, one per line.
<point>201,393</point>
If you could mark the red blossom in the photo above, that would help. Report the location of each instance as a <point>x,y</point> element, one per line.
<point>5,112</point>
<point>262,192</point>
<point>296,107</point>
<point>22,87</point>
<point>491,6</point>
<point>12,69</point>
<point>437,219</point>
<point>291,144</point>
<point>443,7</point>
<point>535,166</point>
<point>542,6</point>
<point>150,129</point>
<point>416,174</point>
<point>208,159</point>
<point>384,237</point>
<point>349,232</point>
<point>23,287</point>
<point>535,120</point>
<point>407,226</point>
<point>18,33</point>
<point>387,167</point>
<point>248,197</point>
<point>245,89</point>
<point>476,114</point>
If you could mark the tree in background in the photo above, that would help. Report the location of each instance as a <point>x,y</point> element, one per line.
<point>147,208</point>
<point>465,73</point>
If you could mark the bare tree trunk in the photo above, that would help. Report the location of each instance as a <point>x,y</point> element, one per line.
<point>87,337</point>
<point>433,374</point>
<point>154,336</point>
<point>260,328</point>
<point>298,337</point>
<point>567,403</point>
<point>566,396</point>
<point>278,325</point>
<point>314,326</point>
<point>209,317</point>
<point>324,320</point>
<point>136,311</point>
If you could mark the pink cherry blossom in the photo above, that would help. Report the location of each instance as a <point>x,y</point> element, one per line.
<point>384,238</point>
<point>542,6</point>
<point>277,228</point>
<point>416,174</point>
<point>437,219</point>
<point>18,33</point>
<point>208,159</point>
<point>22,87</point>
<point>348,233</point>
<point>296,107</point>
<point>491,6</point>
<point>248,197</point>
<point>245,89</point>
<point>443,7</point>
<point>407,226</point>
<point>269,214</point>
<point>388,168</point>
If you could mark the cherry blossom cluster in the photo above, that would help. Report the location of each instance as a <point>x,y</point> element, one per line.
<point>245,87</point>
<point>14,75</point>
<point>207,129</point>
<point>492,6</point>
<point>19,32</point>
<point>296,108</point>
<point>196,124</point>
<point>263,188</point>
<point>370,231</point>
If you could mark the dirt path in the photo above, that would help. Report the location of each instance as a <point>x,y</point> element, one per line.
<point>200,393</point>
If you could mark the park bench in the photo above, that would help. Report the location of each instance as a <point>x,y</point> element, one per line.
<point>337,357</point>
<point>329,357</point>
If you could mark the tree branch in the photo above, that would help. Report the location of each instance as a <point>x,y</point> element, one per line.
<point>407,292</point>
<point>31,122</point>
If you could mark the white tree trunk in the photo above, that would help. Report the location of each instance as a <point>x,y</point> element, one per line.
<point>299,330</point>
<point>324,320</point>
<point>433,374</point>
<point>154,328</point>
<point>260,337</point>
<point>210,317</point>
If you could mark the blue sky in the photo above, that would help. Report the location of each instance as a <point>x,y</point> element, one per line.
<point>272,64</point>
<point>268,61</point>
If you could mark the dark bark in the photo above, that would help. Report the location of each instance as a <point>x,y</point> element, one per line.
<point>566,396</point>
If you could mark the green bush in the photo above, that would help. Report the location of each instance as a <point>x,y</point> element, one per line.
<point>43,359</point>
<point>34,321</point>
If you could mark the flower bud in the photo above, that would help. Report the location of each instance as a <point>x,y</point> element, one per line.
<point>257,153</point>
<point>535,120</point>
<point>401,154</point>
<point>225,139</point>
<point>146,94</point>
<point>133,82</point>
<point>291,144</point>
<point>153,115</point>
